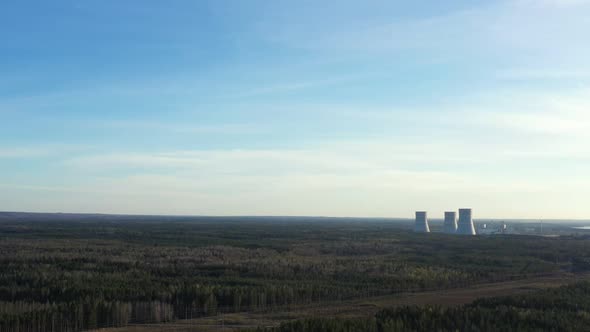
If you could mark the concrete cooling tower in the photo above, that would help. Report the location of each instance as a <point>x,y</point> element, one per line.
<point>421,225</point>
<point>465,226</point>
<point>450,225</point>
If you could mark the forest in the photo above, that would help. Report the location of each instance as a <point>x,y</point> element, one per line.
<point>76,274</point>
<point>563,309</point>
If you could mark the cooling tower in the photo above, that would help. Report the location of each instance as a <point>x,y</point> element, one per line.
<point>421,225</point>
<point>450,225</point>
<point>465,226</point>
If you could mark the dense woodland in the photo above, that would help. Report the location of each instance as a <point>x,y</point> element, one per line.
<point>563,309</point>
<point>69,275</point>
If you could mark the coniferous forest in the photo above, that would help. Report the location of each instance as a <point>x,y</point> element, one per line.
<point>563,309</point>
<point>86,273</point>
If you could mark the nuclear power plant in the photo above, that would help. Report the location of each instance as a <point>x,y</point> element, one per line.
<point>463,227</point>
<point>421,225</point>
<point>450,225</point>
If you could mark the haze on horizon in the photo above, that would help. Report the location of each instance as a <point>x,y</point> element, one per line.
<point>338,108</point>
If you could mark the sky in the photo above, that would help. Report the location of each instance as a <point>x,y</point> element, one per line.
<point>315,108</point>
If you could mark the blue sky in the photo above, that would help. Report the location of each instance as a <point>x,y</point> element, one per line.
<point>335,108</point>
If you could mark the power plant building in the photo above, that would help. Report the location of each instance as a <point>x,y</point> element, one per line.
<point>421,225</point>
<point>465,226</point>
<point>450,224</point>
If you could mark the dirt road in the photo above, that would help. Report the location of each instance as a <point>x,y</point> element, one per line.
<point>358,308</point>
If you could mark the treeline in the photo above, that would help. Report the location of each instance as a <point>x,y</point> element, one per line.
<point>562,309</point>
<point>23,316</point>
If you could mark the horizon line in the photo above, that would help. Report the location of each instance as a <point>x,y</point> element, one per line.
<point>269,216</point>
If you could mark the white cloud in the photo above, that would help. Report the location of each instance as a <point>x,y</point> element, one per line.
<point>561,115</point>
<point>547,34</point>
<point>313,182</point>
<point>182,128</point>
<point>544,73</point>
<point>553,3</point>
<point>39,151</point>
<point>486,152</point>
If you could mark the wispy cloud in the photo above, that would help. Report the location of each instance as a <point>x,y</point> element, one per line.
<point>181,128</point>
<point>553,3</point>
<point>327,110</point>
<point>547,33</point>
<point>39,151</point>
<point>281,87</point>
<point>557,114</point>
<point>383,178</point>
<point>544,73</point>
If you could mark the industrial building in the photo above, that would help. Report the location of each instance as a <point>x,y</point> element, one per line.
<point>465,226</point>
<point>450,225</point>
<point>421,225</point>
